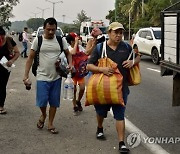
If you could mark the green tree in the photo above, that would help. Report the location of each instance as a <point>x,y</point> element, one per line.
<point>121,16</point>
<point>154,9</point>
<point>67,28</point>
<point>34,23</point>
<point>6,7</point>
<point>149,17</point>
<point>80,18</point>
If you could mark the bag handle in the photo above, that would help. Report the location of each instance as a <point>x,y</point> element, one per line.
<point>132,53</point>
<point>104,54</point>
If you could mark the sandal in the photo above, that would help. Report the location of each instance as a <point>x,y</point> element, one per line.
<point>53,130</point>
<point>3,111</point>
<point>40,123</point>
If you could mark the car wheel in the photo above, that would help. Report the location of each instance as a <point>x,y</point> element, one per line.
<point>155,56</point>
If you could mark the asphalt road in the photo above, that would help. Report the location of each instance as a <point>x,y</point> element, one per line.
<point>149,108</point>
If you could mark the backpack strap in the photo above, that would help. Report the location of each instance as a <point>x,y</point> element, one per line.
<point>127,45</point>
<point>99,48</point>
<point>59,39</point>
<point>38,49</point>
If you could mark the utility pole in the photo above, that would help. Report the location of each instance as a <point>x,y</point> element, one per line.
<point>63,18</point>
<point>115,12</point>
<point>42,11</point>
<point>130,19</point>
<point>142,8</point>
<point>54,4</point>
<point>35,14</point>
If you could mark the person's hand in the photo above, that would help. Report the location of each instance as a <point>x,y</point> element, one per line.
<point>107,71</point>
<point>9,63</point>
<point>69,67</point>
<point>77,39</point>
<point>25,80</point>
<point>128,64</point>
<point>94,41</point>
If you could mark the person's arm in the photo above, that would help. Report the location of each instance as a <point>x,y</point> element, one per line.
<point>74,49</point>
<point>95,69</point>
<point>15,57</point>
<point>69,58</point>
<point>129,63</point>
<point>90,46</point>
<point>29,64</point>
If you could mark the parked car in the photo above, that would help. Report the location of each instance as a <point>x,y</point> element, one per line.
<point>34,34</point>
<point>148,41</point>
<point>40,31</point>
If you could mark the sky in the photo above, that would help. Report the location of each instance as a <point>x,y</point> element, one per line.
<point>66,11</point>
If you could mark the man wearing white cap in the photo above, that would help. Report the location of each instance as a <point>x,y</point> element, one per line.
<point>118,51</point>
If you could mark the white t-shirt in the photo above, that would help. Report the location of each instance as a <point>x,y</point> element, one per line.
<point>48,55</point>
<point>81,49</point>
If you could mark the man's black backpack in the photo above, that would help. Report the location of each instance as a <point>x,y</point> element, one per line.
<point>36,58</point>
<point>20,38</point>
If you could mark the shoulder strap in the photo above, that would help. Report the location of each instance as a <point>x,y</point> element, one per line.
<point>126,45</point>
<point>59,39</point>
<point>99,48</point>
<point>38,49</point>
<point>39,43</point>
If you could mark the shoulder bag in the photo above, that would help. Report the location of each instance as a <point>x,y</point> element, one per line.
<point>134,75</point>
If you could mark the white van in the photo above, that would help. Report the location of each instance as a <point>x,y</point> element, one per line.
<point>87,27</point>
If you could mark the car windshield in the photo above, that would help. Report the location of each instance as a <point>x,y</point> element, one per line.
<point>157,34</point>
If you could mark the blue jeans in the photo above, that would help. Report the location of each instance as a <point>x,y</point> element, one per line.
<point>25,49</point>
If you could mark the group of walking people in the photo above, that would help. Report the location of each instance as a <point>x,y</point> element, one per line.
<point>48,81</point>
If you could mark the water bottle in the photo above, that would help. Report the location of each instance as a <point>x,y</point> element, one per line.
<point>68,88</point>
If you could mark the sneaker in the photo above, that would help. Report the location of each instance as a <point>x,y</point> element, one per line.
<point>75,111</point>
<point>122,148</point>
<point>79,105</point>
<point>100,134</point>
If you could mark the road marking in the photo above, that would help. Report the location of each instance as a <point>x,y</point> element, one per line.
<point>154,148</point>
<point>154,70</point>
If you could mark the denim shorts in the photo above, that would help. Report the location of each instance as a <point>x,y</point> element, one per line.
<point>118,110</point>
<point>48,92</point>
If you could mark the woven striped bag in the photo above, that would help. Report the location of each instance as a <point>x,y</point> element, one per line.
<point>103,89</point>
<point>134,75</point>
